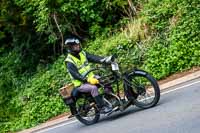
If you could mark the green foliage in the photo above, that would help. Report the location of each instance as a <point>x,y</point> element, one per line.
<point>178,48</point>
<point>38,99</point>
<point>73,15</point>
<point>159,12</point>
<point>127,49</point>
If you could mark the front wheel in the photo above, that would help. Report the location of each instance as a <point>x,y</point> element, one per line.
<point>87,112</point>
<point>145,87</point>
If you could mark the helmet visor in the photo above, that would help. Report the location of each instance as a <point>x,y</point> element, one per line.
<point>72,41</point>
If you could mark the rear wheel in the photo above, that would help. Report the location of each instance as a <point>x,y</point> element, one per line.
<point>87,112</point>
<point>146,88</point>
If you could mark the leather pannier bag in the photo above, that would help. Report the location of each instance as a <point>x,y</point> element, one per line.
<point>65,92</point>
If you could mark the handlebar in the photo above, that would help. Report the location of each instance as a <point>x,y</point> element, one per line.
<point>108,60</point>
<point>93,69</point>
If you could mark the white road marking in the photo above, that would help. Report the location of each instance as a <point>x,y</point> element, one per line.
<point>180,87</point>
<point>57,126</point>
<point>166,92</point>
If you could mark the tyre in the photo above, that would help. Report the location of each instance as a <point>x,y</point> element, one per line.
<point>145,87</point>
<point>87,112</point>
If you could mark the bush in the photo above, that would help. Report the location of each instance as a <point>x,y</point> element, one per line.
<point>175,49</point>
<point>38,98</point>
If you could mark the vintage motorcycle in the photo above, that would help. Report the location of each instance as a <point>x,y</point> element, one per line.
<point>132,87</point>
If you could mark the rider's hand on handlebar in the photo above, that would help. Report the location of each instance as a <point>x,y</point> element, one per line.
<point>108,59</point>
<point>93,81</point>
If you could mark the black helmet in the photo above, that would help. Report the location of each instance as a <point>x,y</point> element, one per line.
<point>70,42</point>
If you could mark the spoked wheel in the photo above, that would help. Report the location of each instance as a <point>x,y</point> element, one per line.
<point>88,113</point>
<point>146,88</point>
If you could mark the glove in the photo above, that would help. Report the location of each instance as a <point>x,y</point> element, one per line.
<point>93,81</point>
<point>107,60</point>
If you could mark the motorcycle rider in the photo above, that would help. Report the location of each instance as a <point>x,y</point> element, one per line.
<point>77,63</point>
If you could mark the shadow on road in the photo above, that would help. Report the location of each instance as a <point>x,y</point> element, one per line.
<point>132,110</point>
<point>120,115</point>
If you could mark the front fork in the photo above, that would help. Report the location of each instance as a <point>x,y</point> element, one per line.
<point>130,92</point>
<point>138,89</point>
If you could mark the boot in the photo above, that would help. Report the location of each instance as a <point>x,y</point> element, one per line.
<point>72,108</point>
<point>101,105</point>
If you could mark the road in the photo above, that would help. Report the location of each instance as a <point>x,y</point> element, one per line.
<point>178,111</point>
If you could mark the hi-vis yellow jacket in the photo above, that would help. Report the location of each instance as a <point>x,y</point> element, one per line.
<point>82,66</point>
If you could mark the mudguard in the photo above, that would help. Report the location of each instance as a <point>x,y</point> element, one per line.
<point>137,72</point>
